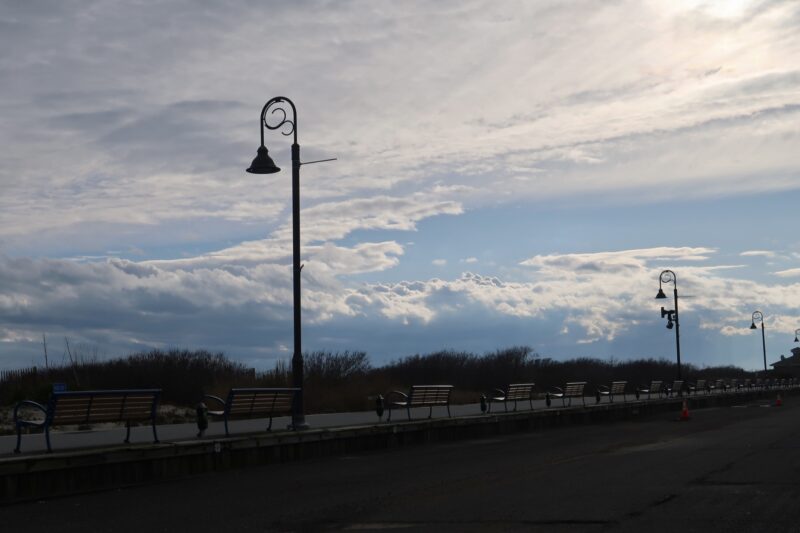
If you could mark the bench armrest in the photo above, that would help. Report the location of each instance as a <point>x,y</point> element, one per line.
<point>602,389</point>
<point>497,392</point>
<point>27,403</point>
<point>215,398</point>
<point>556,390</point>
<point>403,396</point>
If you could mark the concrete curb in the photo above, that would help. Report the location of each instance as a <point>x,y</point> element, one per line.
<point>31,477</point>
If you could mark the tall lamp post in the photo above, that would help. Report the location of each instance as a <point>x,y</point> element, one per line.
<point>263,164</point>
<point>668,276</point>
<point>758,315</point>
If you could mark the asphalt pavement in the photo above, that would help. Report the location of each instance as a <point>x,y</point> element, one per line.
<point>726,469</point>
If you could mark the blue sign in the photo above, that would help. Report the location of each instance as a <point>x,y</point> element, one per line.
<point>59,387</point>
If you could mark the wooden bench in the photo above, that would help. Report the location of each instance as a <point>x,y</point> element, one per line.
<point>90,407</point>
<point>420,396</point>
<point>515,392</point>
<point>616,388</point>
<point>573,389</point>
<point>656,387</point>
<point>254,402</point>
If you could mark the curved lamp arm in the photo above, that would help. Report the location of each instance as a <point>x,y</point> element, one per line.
<point>276,106</point>
<point>758,316</point>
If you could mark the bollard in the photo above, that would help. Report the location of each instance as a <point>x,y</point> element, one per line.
<point>379,406</point>
<point>547,399</point>
<point>483,403</point>
<point>202,418</point>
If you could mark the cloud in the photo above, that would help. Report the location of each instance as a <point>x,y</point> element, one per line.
<point>123,132</point>
<point>616,261</point>
<point>144,137</point>
<point>759,253</point>
<point>439,262</point>
<point>788,273</point>
<point>246,310</point>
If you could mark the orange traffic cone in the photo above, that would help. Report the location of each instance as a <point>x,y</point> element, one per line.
<point>685,411</point>
<point>778,401</point>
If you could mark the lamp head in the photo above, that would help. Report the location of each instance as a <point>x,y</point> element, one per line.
<point>263,163</point>
<point>795,338</point>
<point>753,325</point>
<point>670,323</point>
<point>660,295</point>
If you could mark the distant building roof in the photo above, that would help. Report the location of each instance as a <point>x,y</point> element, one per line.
<point>792,360</point>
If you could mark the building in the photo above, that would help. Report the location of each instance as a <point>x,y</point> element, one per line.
<point>788,366</point>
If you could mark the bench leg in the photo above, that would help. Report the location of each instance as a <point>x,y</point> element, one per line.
<point>430,413</point>
<point>448,411</point>
<point>47,438</point>
<point>128,434</point>
<point>269,427</point>
<point>408,412</point>
<point>155,434</point>
<point>19,438</point>
<point>227,434</point>
<point>389,417</point>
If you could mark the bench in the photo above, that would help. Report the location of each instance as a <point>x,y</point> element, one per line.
<point>616,388</point>
<point>656,387</point>
<point>420,396</point>
<point>571,390</point>
<point>695,388</point>
<point>513,393</point>
<point>677,388</point>
<point>90,407</point>
<point>254,402</point>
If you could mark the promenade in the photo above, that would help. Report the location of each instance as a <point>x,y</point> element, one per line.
<point>731,467</point>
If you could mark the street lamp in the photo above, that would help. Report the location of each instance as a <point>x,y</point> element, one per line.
<point>668,276</point>
<point>758,315</point>
<point>796,333</point>
<point>263,164</point>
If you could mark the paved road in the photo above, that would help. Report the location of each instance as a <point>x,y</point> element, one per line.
<point>727,469</point>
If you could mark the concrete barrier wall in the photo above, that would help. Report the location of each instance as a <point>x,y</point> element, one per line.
<point>48,475</point>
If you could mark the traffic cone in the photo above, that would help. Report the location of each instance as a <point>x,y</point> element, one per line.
<point>778,401</point>
<point>685,411</point>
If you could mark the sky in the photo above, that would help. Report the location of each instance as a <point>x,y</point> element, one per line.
<point>508,173</point>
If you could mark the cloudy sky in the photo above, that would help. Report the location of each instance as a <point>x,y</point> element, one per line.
<point>508,173</point>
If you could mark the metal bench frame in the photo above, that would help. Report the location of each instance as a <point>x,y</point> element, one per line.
<point>573,389</point>
<point>656,387</point>
<point>253,402</point>
<point>617,388</point>
<point>420,396</point>
<point>102,411</point>
<point>515,392</point>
